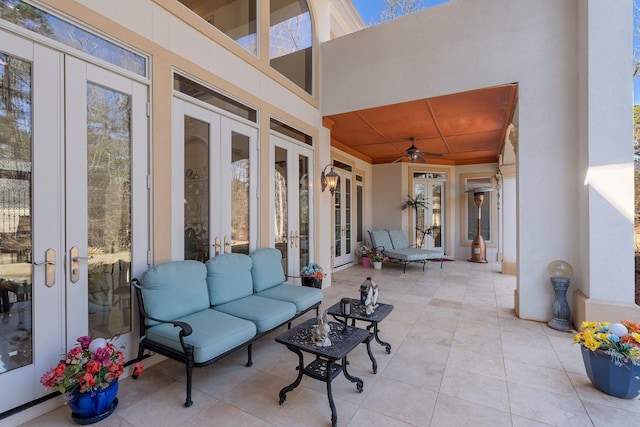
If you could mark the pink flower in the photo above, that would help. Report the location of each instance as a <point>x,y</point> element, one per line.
<point>137,369</point>
<point>84,341</point>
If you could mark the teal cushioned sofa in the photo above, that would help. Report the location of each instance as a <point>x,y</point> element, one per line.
<point>395,247</point>
<point>198,313</point>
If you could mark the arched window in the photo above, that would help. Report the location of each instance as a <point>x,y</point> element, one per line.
<point>291,40</point>
<point>235,18</point>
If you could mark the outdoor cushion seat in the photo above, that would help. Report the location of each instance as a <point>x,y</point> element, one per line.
<point>394,245</point>
<point>214,333</point>
<point>231,291</point>
<point>268,281</point>
<point>266,313</point>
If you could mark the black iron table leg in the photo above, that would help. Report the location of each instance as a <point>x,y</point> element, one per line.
<point>296,383</point>
<point>347,375</point>
<point>386,345</point>
<point>334,413</point>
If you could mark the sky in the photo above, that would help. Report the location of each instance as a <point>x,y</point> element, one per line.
<point>370,12</point>
<point>370,9</point>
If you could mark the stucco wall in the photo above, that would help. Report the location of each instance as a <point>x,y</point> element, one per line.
<point>502,41</point>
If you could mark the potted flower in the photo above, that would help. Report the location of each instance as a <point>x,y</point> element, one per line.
<point>364,253</point>
<point>89,374</point>
<point>376,258</point>
<point>611,355</point>
<point>312,275</point>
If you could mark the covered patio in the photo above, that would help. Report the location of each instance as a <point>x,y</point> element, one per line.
<point>459,357</point>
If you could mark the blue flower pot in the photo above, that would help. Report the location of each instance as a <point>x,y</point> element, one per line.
<point>88,408</point>
<point>619,381</point>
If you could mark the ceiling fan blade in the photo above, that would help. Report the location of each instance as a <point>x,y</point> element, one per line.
<point>421,159</point>
<point>424,153</point>
<point>399,159</point>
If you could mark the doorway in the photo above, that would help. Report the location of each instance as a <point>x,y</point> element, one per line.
<point>72,132</point>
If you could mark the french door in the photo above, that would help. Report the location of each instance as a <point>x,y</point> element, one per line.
<point>343,219</point>
<point>291,203</point>
<point>214,184</point>
<point>70,134</point>
<point>429,225</point>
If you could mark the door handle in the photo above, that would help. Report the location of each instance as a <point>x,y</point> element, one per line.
<point>74,265</point>
<point>227,244</point>
<point>297,239</point>
<point>291,239</point>
<point>216,246</point>
<point>49,267</point>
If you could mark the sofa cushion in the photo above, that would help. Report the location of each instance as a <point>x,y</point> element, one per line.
<point>303,297</point>
<point>213,334</point>
<point>380,239</point>
<point>413,254</point>
<point>266,269</point>
<point>398,240</point>
<point>266,313</point>
<point>174,289</point>
<point>229,278</point>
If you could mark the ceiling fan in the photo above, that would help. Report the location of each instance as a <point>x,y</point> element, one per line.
<point>413,153</point>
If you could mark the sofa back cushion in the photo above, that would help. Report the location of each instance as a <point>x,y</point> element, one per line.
<point>267,269</point>
<point>228,278</point>
<point>174,289</point>
<point>380,239</point>
<point>398,240</point>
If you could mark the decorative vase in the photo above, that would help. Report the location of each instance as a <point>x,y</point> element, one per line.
<point>619,381</point>
<point>377,265</point>
<point>89,408</point>
<point>366,262</point>
<point>311,282</point>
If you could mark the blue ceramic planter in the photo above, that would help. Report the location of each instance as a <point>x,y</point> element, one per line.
<point>88,408</point>
<point>619,381</point>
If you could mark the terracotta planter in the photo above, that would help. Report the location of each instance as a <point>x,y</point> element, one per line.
<point>619,381</point>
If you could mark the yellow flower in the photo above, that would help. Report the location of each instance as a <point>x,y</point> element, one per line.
<point>591,344</point>
<point>587,325</point>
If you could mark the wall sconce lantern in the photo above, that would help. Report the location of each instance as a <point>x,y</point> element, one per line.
<point>560,272</point>
<point>329,180</point>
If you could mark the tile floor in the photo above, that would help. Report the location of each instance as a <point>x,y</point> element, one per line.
<point>459,357</point>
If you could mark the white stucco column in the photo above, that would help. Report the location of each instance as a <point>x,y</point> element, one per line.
<point>605,276</point>
<point>508,208</point>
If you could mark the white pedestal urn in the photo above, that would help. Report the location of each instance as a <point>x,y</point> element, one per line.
<point>377,265</point>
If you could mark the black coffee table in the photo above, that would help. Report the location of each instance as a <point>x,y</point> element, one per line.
<point>344,338</point>
<point>358,313</point>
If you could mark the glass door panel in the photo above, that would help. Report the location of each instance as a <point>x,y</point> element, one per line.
<point>303,210</point>
<point>240,192</point>
<point>214,190</point>
<point>429,221</point>
<point>106,131</point>
<point>337,222</point>
<point>281,204</point>
<point>16,186</point>
<point>291,203</point>
<point>196,189</point>
<point>343,219</point>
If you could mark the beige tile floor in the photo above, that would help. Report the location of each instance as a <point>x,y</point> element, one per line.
<point>459,357</point>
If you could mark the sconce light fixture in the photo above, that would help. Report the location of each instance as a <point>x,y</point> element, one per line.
<point>329,180</point>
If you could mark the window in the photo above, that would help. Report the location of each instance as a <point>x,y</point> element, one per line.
<point>290,41</point>
<point>48,25</point>
<point>235,18</point>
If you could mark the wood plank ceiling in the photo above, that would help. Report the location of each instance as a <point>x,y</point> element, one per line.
<point>457,129</point>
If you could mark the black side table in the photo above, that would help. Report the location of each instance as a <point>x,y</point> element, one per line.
<point>358,312</point>
<point>324,368</point>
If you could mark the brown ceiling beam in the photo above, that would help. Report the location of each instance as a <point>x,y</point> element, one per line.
<point>340,146</point>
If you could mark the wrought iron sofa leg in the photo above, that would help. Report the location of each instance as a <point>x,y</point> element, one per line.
<point>189,364</point>
<point>249,355</point>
